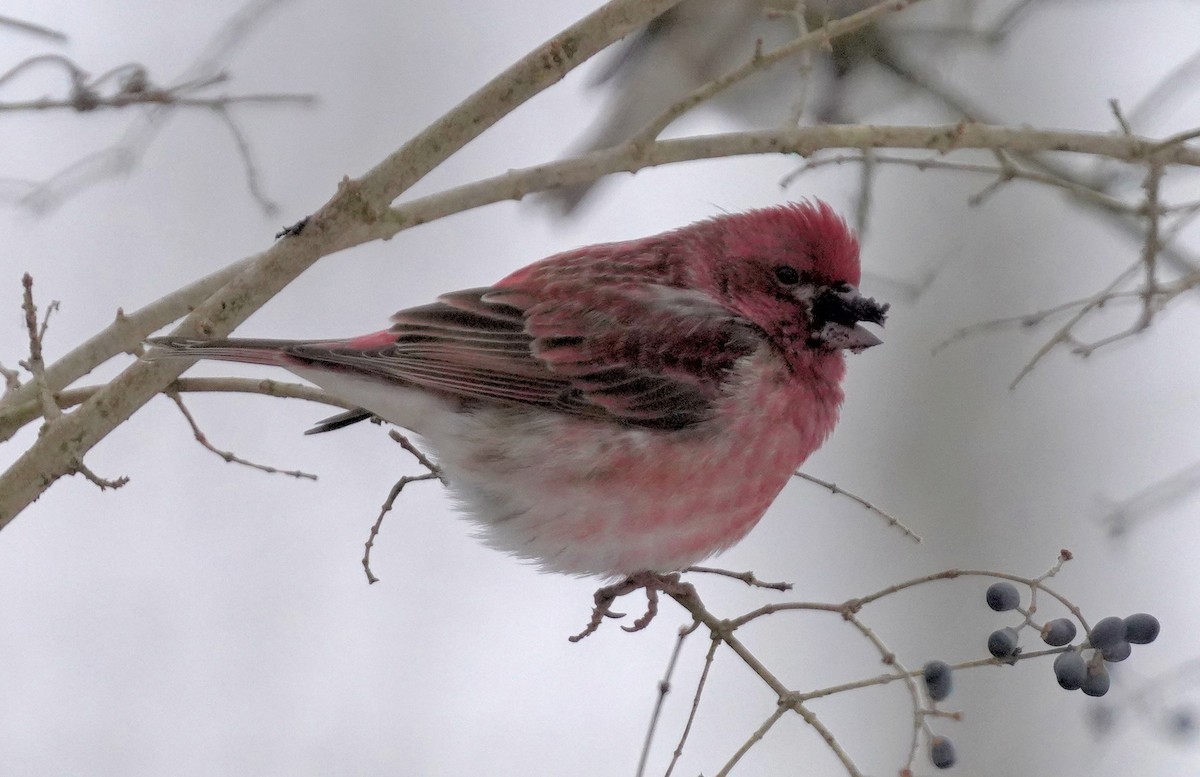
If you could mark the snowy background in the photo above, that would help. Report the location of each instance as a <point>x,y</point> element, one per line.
<point>208,619</point>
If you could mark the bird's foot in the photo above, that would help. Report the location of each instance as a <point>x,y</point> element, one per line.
<point>650,582</point>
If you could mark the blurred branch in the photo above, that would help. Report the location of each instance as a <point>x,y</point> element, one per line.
<point>1152,501</point>
<point>132,86</point>
<point>33,29</point>
<point>764,60</point>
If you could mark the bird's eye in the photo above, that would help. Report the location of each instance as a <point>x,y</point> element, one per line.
<point>787,275</point>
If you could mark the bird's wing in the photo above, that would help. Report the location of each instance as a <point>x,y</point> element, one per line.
<point>563,352</point>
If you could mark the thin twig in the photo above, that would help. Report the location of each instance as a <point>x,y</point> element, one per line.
<point>1064,333</point>
<point>753,739</point>
<point>229,456</point>
<point>418,454</point>
<point>35,364</point>
<point>1006,172</point>
<point>249,169</point>
<point>1151,246</point>
<point>889,659</point>
<point>33,29</point>
<point>746,577</point>
<point>714,643</point>
<point>837,490</point>
<point>687,598</point>
<point>764,60</point>
<point>79,468</point>
<point>664,687</point>
<point>12,380</point>
<point>387,506</point>
<point>1122,122</point>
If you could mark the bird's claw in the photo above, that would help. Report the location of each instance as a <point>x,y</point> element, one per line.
<point>650,582</point>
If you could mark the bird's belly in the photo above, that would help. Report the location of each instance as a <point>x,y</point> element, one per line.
<point>602,500</point>
<point>591,497</point>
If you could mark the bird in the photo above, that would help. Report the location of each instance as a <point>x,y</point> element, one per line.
<point>621,408</point>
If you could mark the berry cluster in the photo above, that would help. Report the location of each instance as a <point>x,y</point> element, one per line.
<point>1110,640</point>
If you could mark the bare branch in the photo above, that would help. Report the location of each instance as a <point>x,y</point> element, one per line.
<point>418,454</point>
<point>249,168</point>
<point>714,643</point>
<point>12,380</point>
<point>79,468</point>
<point>387,506</point>
<point>804,141</point>
<point>664,687</point>
<point>835,489</point>
<point>228,456</point>
<point>755,738</point>
<point>746,577</point>
<point>33,29</point>
<point>1004,172</point>
<point>35,363</point>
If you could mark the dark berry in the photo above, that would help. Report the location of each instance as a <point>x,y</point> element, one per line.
<point>1117,652</point>
<point>1058,632</point>
<point>1107,632</point>
<point>938,681</point>
<point>941,752</point>
<point>1002,643</point>
<point>1141,629</point>
<point>1002,597</point>
<point>1096,683</point>
<point>1070,670</point>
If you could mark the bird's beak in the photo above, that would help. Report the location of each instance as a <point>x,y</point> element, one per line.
<point>836,315</point>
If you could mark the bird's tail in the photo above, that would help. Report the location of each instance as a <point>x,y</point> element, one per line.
<point>249,351</point>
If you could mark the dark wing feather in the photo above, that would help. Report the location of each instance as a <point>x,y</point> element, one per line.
<point>340,421</point>
<point>562,352</point>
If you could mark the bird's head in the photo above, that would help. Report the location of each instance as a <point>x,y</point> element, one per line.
<point>793,271</point>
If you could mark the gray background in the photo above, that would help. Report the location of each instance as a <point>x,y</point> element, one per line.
<point>208,619</point>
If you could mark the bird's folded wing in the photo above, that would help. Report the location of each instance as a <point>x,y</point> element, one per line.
<point>646,356</point>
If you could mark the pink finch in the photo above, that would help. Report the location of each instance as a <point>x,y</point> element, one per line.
<point>620,408</point>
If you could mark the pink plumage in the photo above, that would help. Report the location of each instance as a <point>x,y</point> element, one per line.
<point>622,407</point>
